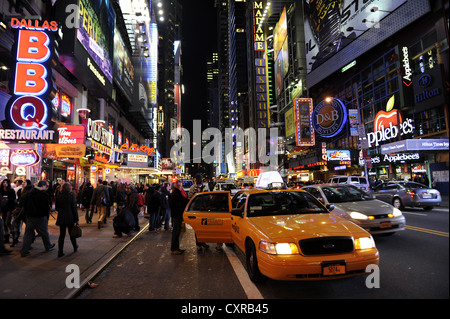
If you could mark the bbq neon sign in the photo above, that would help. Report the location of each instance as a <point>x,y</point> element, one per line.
<point>29,108</point>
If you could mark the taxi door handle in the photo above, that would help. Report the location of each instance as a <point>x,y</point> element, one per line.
<point>192,217</point>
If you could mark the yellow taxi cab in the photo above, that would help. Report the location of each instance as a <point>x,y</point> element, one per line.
<point>284,234</point>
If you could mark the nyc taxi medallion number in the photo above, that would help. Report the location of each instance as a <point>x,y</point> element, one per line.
<point>212,221</point>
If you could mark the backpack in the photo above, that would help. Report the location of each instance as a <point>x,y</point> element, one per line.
<point>140,201</point>
<point>103,198</point>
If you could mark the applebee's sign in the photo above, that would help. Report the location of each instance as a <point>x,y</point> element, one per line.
<point>389,124</point>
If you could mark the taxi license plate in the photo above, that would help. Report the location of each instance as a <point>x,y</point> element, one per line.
<point>385,225</point>
<point>333,268</point>
<point>426,195</point>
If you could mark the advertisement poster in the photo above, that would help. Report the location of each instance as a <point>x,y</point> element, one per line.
<point>353,120</point>
<point>96,33</point>
<point>303,109</point>
<point>123,67</point>
<point>330,25</point>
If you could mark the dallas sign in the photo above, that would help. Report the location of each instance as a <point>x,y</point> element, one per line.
<point>28,113</point>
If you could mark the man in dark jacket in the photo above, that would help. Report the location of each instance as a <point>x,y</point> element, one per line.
<point>100,198</point>
<point>132,205</point>
<point>152,201</point>
<point>123,222</point>
<point>36,204</point>
<point>177,202</point>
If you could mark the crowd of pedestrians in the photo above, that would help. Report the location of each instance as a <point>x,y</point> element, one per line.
<point>28,207</point>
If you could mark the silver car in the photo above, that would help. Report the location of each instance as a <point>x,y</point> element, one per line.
<point>350,202</point>
<point>233,189</point>
<point>407,194</point>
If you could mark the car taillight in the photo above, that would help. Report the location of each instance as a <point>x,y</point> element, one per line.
<point>411,193</point>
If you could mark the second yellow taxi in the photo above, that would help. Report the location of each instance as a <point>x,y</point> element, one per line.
<point>284,234</point>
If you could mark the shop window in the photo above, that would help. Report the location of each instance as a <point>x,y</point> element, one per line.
<point>392,85</point>
<point>63,106</point>
<point>430,121</point>
<point>380,92</point>
<point>425,61</point>
<point>429,40</point>
<point>368,114</point>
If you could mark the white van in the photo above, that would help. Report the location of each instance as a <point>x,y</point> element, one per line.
<point>359,181</point>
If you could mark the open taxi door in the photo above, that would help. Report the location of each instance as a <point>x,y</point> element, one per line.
<point>209,214</point>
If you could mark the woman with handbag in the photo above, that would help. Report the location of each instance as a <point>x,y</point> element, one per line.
<point>9,197</point>
<point>66,206</point>
<point>18,215</point>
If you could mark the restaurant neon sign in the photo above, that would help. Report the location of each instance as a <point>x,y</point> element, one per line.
<point>29,108</point>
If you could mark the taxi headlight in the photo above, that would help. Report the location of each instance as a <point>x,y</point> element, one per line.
<point>357,215</point>
<point>397,212</point>
<point>364,243</point>
<point>278,248</point>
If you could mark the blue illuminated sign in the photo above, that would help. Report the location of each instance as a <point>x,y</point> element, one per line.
<point>329,117</point>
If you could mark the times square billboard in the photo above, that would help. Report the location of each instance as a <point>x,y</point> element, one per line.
<point>331,25</point>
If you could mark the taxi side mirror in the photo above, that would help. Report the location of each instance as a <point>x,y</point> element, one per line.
<point>330,207</point>
<point>237,212</point>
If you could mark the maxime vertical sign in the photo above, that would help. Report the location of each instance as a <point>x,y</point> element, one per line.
<point>28,113</point>
<point>262,107</point>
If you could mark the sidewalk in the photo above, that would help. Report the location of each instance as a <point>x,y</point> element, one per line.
<point>42,275</point>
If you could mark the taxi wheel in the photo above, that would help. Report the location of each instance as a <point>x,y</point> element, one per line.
<point>252,263</point>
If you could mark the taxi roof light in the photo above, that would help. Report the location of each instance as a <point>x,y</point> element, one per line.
<point>267,178</point>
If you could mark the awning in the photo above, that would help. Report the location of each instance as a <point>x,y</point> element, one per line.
<point>416,145</point>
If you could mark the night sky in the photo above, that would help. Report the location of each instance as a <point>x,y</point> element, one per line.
<point>199,40</point>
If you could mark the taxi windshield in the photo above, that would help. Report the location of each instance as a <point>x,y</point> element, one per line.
<point>283,203</point>
<point>345,193</point>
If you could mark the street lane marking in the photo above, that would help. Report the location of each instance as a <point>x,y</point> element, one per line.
<point>249,287</point>
<point>429,231</point>
<point>420,214</point>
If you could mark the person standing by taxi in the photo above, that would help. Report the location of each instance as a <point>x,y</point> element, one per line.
<point>197,187</point>
<point>177,203</point>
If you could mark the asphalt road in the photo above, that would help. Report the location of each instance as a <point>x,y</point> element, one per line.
<point>414,264</point>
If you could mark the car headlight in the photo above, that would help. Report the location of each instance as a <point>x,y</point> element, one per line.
<point>397,212</point>
<point>357,215</point>
<point>278,248</point>
<point>364,243</point>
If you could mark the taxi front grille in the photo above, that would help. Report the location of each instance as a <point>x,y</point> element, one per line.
<point>326,245</point>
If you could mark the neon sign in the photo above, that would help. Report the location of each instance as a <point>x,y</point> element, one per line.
<point>71,134</point>
<point>29,109</point>
<point>389,124</point>
<point>329,117</point>
<point>303,109</point>
<point>97,133</point>
<point>407,67</point>
<point>24,157</point>
<point>261,67</point>
<point>137,148</point>
<point>66,105</point>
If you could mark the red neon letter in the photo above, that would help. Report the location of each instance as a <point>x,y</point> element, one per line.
<point>30,79</point>
<point>32,46</point>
